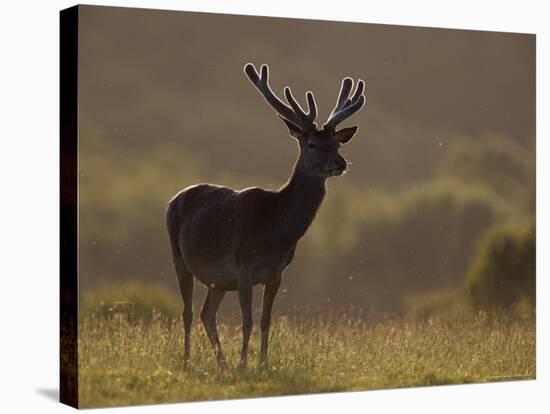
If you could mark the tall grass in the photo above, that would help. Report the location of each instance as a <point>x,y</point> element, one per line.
<point>125,361</point>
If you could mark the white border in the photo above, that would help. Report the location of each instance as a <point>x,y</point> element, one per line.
<point>29,131</point>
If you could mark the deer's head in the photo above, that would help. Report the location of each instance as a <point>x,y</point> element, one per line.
<point>318,147</point>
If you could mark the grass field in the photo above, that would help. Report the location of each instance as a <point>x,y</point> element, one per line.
<point>123,362</point>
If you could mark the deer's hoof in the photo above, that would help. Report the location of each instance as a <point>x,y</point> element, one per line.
<point>262,364</point>
<point>222,365</point>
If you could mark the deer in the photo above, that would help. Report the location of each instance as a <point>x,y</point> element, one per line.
<point>233,240</point>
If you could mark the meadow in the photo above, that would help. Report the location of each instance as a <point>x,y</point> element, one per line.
<point>434,222</point>
<point>125,360</point>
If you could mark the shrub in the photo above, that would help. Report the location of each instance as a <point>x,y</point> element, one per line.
<point>419,240</point>
<point>503,271</point>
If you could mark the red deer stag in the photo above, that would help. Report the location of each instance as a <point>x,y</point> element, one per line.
<point>232,240</point>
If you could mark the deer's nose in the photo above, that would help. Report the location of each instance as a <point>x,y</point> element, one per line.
<point>338,167</point>
<point>341,163</point>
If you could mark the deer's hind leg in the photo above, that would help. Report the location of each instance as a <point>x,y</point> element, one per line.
<point>208,316</point>
<point>186,284</point>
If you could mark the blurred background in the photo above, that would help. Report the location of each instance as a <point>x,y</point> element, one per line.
<point>436,213</point>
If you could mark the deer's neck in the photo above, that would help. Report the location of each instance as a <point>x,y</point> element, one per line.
<point>300,199</point>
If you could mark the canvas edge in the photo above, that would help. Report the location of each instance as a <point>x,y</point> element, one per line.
<point>68,43</point>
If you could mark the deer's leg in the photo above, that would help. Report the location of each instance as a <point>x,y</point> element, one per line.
<point>270,290</point>
<point>245,300</point>
<point>186,284</point>
<point>208,316</point>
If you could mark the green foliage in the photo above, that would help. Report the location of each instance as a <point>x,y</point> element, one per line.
<point>121,362</point>
<point>503,272</point>
<point>374,249</point>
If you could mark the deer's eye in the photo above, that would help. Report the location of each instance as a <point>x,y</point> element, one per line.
<point>311,145</point>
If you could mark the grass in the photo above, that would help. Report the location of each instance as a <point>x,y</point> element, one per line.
<point>123,361</point>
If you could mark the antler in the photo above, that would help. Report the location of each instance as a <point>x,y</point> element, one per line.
<point>293,113</point>
<point>346,107</point>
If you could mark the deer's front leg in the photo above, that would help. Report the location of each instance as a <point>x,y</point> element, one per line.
<point>245,300</point>
<point>270,290</point>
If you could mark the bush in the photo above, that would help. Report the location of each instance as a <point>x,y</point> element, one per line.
<point>503,272</point>
<point>421,239</point>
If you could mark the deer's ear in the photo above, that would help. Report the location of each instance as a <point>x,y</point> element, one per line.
<point>294,130</point>
<point>346,134</point>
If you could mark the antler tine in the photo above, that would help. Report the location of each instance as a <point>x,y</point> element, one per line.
<point>298,111</point>
<point>346,107</point>
<point>261,81</point>
<point>345,89</point>
<point>345,113</point>
<point>311,107</point>
<point>308,119</point>
<point>358,90</point>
